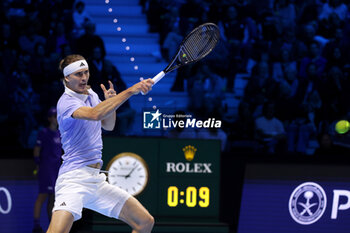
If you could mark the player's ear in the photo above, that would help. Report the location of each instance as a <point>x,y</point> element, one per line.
<point>66,79</point>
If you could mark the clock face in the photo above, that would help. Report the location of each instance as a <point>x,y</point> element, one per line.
<point>128,171</point>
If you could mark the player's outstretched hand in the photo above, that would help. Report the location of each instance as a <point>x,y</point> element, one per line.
<point>110,92</point>
<point>144,86</point>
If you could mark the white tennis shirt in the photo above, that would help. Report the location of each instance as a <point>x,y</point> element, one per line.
<point>81,139</point>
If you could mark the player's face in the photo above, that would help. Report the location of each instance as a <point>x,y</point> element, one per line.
<point>78,80</point>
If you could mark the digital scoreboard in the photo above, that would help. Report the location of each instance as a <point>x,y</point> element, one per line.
<point>182,176</point>
<point>189,178</point>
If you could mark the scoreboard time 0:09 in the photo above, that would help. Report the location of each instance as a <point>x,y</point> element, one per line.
<point>181,197</point>
<point>191,196</point>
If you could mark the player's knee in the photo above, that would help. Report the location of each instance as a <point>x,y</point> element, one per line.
<point>150,221</point>
<point>146,223</point>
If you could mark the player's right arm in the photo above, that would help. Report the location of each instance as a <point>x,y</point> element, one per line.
<point>108,106</point>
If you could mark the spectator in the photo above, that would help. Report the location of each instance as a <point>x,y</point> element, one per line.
<point>334,95</point>
<point>47,155</point>
<point>285,13</point>
<point>155,9</point>
<point>53,16</point>
<point>212,111</point>
<point>308,11</point>
<point>326,146</point>
<point>25,103</point>
<point>308,34</point>
<point>169,19</point>
<point>171,43</point>
<point>195,86</point>
<point>80,18</point>
<point>243,127</point>
<point>190,14</point>
<point>233,27</point>
<point>89,40</point>
<point>214,85</point>
<point>328,26</point>
<point>260,86</point>
<point>312,106</point>
<point>57,39</point>
<point>270,131</point>
<point>219,59</point>
<point>282,65</point>
<point>289,41</point>
<point>66,49</point>
<point>8,48</point>
<point>314,57</point>
<point>36,66</point>
<point>239,32</point>
<point>304,124</point>
<point>28,41</point>
<point>97,61</point>
<point>7,38</point>
<point>333,6</point>
<point>338,40</point>
<point>336,58</point>
<point>286,101</point>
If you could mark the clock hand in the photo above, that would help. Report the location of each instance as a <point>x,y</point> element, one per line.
<point>128,175</point>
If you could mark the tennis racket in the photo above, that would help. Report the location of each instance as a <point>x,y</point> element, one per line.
<point>196,45</point>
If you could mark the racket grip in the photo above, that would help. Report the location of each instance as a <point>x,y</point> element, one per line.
<point>156,79</point>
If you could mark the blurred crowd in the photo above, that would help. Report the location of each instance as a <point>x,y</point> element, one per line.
<point>34,37</point>
<point>292,53</point>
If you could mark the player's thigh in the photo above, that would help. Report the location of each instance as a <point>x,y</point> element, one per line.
<point>135,214</point>
<point>61,222</point>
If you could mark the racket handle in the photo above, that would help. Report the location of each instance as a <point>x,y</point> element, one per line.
<point>156,79</point>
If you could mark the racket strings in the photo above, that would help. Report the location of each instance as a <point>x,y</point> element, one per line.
<point>201,42</point>
<point>194,45</point>
<point>198,44</point>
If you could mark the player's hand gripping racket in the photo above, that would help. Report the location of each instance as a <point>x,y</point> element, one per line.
<point>196,45</point>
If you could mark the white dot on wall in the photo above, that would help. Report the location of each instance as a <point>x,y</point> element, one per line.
<point>124,40</point>
<point>127,47</point>
<point>110,9</point>
<point>154,107</point>
<point>132,59</point>
<point>141,78</point>
<point>136,67</point>
<point>115,20</point>
<point>107,1</point>
<point>150,99</point>
<point>119,29</point>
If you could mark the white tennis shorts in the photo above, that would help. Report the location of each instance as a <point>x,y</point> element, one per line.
<point>87,188</point>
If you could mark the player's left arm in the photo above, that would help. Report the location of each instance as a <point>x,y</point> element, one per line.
<point>108,122</point>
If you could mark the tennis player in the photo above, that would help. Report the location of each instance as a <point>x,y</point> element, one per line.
<point>80,184</point>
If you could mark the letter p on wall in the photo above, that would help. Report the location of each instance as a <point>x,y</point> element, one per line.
<point>336,206</point>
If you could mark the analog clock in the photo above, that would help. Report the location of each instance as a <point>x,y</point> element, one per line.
<point>129,172</point>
